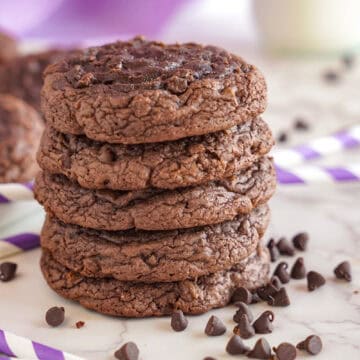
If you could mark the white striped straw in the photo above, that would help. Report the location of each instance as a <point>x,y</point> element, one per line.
<point>15,192</point>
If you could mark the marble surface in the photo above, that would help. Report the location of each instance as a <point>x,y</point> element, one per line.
<point>329,213</point>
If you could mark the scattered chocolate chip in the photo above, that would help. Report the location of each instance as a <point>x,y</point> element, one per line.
<point>55,316</point>
<point>314,280</point>
<point>300,241</point>
<point>282,273</point>
<point>280,298</point>
<point>275,281</point>
<point>261,350</point>
<point>273,250</point>
<point>266,292</point>
<point>331,76</point>
<point>285,351</point>
<point>356,291</point>
<point>209,358</point>
<point>178,321</point>
<point>285,248</point>
<point>348,60</point>
<point>301,124</point>
<point>244,328</point>
<point>236,346</point>
<point>243,310</point>
<point>255,298</point>
<point>298,271</point>
<point>312,344</point>
<point>343,271</point>
<point>263,324</point>
<point>215,327</point>
<point>128,351</point>
<point>282,137</point>
<point>242,294</point>
<point>80,324</point>
<point>7,271</point>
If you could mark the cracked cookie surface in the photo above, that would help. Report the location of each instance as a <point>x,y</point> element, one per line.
<point>154,209</point>
<point>169,165</point>
<point>129,299</point>
<point>143,92</point>
<point>156,255</point>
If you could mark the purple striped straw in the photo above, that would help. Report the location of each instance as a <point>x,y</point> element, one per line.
<point>15,192</point>
<point>17,243</point>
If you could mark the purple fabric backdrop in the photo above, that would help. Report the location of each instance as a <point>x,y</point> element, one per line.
<point>72,21</point>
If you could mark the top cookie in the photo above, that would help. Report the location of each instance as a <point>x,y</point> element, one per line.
<point>143,91</point>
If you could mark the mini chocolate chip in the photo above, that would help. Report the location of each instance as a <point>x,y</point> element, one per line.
<point>7,271</point>
<point>242,294</point>
<point>298,270</point>
<point>55,316</point>
<point>209,358</point>
<point>178,321</point>
<point>285,247</point>
<point>128,351</point>
<point>273,250</point>
<point>255,298</point>
<point>331,76</point>
<point>343,271</point>
<point>236,346</point>
<point>80,324</point>
<point>348,60</point>
<point>244,328</point>
<point>261,350</point>
<point>282,273</point>
<point>243,309</point>
<point>275,281</point>
<point>263,324</point>
<point>215,327</point>
<point>312,344</point>
<point>301,124</point>
<point>280,298</point>
<point>266,292</point>
<point>282,137</point>
<point>300,241</point>
<point>285,351</point>
<point>314,280</point>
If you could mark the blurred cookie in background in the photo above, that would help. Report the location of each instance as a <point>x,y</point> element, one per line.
<point>8,47</point>
<point>20,130</point>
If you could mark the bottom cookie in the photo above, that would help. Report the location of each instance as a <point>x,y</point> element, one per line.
<point>128,299</point>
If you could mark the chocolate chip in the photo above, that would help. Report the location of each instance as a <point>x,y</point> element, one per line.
<point>106,155</point>
<point>300,241</point>
<point>282,273</point>
<point>55,316</point>
<point>209,358</point>
<point>128,351</point>
<point>298,270</point>
<point>215,327</point>
<point>266,292</point>
<point>314,280</point>
<point>348,60</point>
<point>285,247</point>
<point>255,298</point>
<point>261,350</point>
<point>7,271</point>
<point>275,281</point>
<point>343,271</point>
<point>178,321</point>
<point>301,124</point>
<point>282,137</point>
<point>312,344</point>
<point>263,324</point>
<point>285,351</point>
<point>243,310</point>
<point>273,250</point>
<point>280,298</point>
<point>236,346</point>
<point>242,294</point>
<point>331,76</point>
<point>244,328</point>
<point>80,324</point>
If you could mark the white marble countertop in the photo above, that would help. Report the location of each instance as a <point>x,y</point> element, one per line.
<point>331,215</point>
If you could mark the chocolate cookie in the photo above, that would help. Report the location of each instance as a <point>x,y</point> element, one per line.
<point>155,256</point>
<point>114,297</point>
<point>20,132</point>
<point>22,76</point>
<point>153,209</point>
<point>8,47</point>
<point>186,162</point>
<point>143,91</point>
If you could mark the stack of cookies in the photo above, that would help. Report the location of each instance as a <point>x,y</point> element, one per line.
<point>155,178</point>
